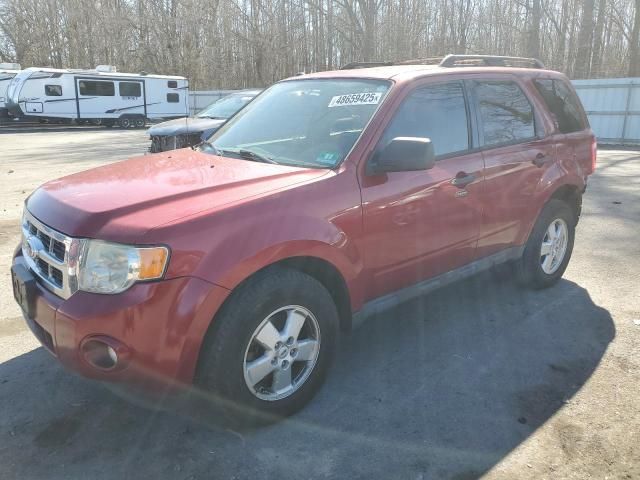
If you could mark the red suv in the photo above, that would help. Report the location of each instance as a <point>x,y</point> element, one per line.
<point>233,267</point>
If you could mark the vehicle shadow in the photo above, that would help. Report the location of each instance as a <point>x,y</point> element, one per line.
<point>442,387</point>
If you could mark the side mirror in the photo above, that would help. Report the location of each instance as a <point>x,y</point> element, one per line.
<point>403,154</point>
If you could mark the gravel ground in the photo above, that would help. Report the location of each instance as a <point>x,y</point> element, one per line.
<point>477,380</point>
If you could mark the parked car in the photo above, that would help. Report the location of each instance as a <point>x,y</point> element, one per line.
<point>232,268</point>
<point>187,132</point>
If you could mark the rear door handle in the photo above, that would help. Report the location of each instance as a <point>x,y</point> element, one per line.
<point>462,179</point>
<point>540,160</point>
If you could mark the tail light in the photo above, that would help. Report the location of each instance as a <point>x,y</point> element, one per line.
<point>594,153</point>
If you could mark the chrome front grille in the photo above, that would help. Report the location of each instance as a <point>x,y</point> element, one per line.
<point>51,255</point>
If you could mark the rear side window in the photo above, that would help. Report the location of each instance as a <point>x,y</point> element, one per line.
<point>563,103</point>
<point>53,90</point>
<point>173,97</point>
<point>130,89</point>
<point>98,89</point>
<point>505,112</point>
<point>437,112</point>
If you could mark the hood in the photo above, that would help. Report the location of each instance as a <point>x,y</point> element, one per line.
<point>122,201</point>
<point>181,126</point>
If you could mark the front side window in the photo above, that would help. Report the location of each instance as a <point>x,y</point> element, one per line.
<point>311,123</point>
<point>130,89</point>
<point>563,104</point>
<point>505,112</point>
<point>97,89</point>
<point>437,112</point>
<point>53,90</point>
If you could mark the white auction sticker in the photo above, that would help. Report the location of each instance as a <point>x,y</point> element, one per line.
<point>367,98</point>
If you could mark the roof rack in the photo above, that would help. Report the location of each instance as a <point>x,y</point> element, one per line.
<point>456,61</point>
<point>353,65</point>
<point>490,61</point>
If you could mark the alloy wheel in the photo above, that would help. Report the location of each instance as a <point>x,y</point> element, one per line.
<point>554,246</point>
<point>282,353</point>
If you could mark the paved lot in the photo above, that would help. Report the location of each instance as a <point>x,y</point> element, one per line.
<point>479,379</point>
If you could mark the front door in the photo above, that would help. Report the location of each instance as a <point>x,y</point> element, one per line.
<point>420,224</point>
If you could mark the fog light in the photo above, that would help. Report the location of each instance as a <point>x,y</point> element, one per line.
<point>104,353</point>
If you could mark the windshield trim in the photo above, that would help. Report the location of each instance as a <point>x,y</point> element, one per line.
<point>389,81</point>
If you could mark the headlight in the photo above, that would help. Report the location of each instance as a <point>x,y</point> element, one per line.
<point>112,267</point>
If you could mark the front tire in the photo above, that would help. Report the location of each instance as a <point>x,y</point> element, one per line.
<point>270,347</point>
<point>548,250</point>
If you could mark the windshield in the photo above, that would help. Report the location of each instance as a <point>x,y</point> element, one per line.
<point>310,123</point>
<point>226,107</point>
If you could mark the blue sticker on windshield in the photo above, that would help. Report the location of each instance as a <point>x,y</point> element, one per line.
<point>328,158</point>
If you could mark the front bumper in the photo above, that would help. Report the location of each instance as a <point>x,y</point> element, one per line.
<point>159,326</point>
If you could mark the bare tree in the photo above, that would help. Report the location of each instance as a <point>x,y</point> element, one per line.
<point>245,43</point>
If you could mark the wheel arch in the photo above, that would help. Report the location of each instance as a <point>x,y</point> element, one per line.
<point>330,278</point>
<point>320,269</point>
<point>571,195</point>
<point>568,192</point>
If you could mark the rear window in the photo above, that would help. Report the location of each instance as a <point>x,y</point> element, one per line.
<point>563,104</point>
<point>98,89</point>
<point>505,112</point>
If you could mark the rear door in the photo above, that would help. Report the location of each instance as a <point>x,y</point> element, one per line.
<point>516,154</point>
<point>420,224</point>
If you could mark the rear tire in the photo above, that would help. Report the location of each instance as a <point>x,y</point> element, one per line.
<point>549,247</point>
<point>241,369</point>
<point>124,122</point>
<point>140,122</point>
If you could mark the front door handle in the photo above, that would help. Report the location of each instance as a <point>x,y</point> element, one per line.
<point>540,160</point>
<point>462,179</point>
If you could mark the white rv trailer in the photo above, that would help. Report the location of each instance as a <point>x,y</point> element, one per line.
<point>7,72</point>
<point>101,95</point>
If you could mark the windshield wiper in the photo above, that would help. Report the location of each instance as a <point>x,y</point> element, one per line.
<point>248,155</point>
<point>242,152</point>
<point>256,156</point>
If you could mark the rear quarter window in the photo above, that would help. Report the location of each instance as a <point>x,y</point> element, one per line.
<point>563,104</point>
